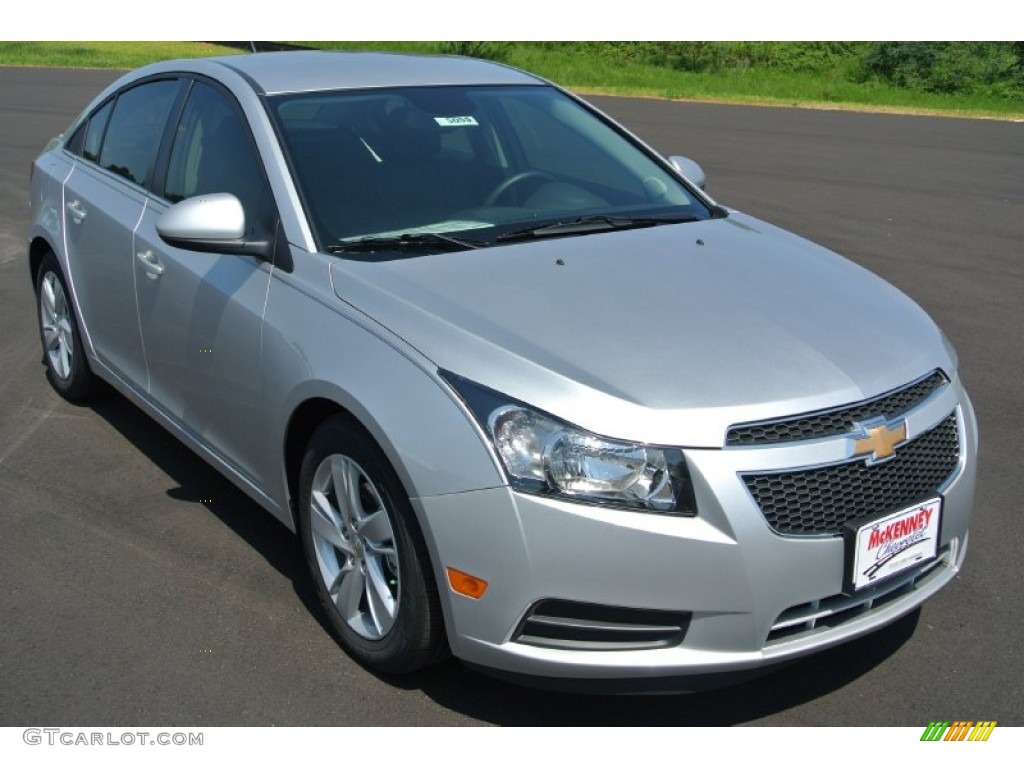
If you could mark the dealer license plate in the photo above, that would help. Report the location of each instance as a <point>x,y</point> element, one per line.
<point>886,546</point>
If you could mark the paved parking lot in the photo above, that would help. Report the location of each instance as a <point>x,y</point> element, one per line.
<point>138,587</point>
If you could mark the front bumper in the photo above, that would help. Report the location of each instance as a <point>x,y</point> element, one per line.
<point>753,597</point>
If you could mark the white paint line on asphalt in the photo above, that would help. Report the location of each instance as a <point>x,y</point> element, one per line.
<point>28,431</point>
<point>12,248</point>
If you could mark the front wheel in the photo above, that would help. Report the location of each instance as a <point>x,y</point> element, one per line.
<point>365,552</point>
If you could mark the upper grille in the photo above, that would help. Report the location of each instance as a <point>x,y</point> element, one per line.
<point>837,421</point>
<point>820,501</point>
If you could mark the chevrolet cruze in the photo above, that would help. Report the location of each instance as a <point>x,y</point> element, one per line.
<point>522,389</point>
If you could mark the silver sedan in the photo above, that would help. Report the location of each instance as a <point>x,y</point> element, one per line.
<point>524,391</point>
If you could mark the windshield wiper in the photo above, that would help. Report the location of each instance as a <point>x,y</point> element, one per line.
<point>430,241</point>
<point>585,224</point>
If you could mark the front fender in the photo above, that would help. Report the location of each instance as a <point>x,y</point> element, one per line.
<point>314,347</point>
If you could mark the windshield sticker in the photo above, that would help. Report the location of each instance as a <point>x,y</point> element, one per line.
<point>456,121</point>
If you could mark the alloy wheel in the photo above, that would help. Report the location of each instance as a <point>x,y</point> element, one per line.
<point>355,546</point>
<point>55,315</point>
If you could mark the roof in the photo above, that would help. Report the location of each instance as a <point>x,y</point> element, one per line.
<point>292,71</point>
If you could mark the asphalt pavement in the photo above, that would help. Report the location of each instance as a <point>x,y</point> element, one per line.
<point>138,587</point>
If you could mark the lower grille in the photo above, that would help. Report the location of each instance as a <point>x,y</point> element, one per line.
<point>587,627</point>
<point>818,501</point>
<point>802,620</point>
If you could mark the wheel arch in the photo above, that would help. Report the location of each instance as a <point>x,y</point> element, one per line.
<point>37,249</point>
<point>312,411</point>
<point>429,441</point>
<point>305,418</point>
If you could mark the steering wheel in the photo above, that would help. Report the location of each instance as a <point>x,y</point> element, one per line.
<point>512,181</point>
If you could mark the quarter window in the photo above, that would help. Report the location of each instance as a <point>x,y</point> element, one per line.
<point>136,127</point>
<point>85,141</point>
<point>94,133</point>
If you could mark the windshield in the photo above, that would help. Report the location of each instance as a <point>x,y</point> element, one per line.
<point>474,162</point>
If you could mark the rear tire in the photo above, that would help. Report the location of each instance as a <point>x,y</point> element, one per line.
<point>67,369</point>
<point>365,552</point>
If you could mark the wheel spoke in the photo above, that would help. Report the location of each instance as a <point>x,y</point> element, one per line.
<point>339,577</point>
<point>322,505</point>
<point>325,527</point>
<point>51,337</point>
<point>381,550</point>
<point>350,594</point>
<point>49,302</point>
<point>376,527</point>
<point>60,302</point>
<point>379,598</point>
<point>346,476</point>
<point>64,364</point>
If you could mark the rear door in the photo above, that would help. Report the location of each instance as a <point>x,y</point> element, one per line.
<point>201,313</point>
<point>103,202</point>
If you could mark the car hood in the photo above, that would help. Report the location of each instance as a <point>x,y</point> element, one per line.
<point>667,334</point>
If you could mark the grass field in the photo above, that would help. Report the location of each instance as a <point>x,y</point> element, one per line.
<point>586,73</point>
<point>107,55</point>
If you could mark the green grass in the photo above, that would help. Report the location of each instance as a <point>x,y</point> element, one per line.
<point>587,72</point>
<point>119,55</point>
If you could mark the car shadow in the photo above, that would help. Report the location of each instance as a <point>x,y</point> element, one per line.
<point>197,481</point>
<point>471,693</point>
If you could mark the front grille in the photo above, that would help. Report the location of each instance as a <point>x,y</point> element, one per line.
<point>836,610</point>
<point>569,625</point>
<point>838,421</point>
<point>810,502</point>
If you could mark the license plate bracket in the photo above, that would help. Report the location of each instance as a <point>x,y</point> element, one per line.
<point>889,544</point>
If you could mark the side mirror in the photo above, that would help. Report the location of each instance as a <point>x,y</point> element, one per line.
<point>209,223</point>
<point>689,169</point>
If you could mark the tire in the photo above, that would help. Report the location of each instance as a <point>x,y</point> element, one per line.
<point>365,552</point>
<point>67,369</point>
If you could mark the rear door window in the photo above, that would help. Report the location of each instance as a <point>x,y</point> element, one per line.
<point>136,127</point>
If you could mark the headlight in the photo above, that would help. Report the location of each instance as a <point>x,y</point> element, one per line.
<point>545,456</point>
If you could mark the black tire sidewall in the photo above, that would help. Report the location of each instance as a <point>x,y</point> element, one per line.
<point>415,639</point>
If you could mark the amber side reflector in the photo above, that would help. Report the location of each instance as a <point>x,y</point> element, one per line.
<point>464,584</point>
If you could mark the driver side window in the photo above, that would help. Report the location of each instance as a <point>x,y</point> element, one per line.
<point>213,152</point>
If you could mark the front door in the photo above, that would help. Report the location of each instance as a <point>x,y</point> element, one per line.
<point>202,313</point>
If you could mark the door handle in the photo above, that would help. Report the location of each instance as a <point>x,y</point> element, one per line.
<point>150,263</point>
<point>76,210</point>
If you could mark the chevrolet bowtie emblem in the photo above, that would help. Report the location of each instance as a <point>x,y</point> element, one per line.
<point>877,439</point>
